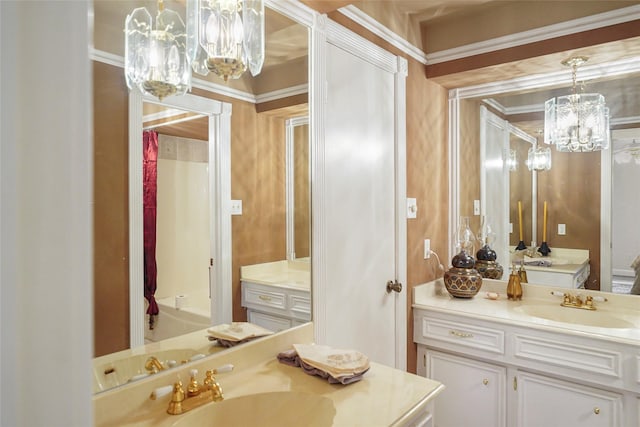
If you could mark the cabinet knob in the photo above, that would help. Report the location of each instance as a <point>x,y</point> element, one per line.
<point>596,410</point>
<point>485,381</point>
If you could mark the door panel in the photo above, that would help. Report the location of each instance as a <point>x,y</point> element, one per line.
<point>360,207</point>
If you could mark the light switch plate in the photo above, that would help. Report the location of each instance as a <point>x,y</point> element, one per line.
<point>562,229</point>
<point>476,207</point>
<point>236,207</point>
<point>412,208</point>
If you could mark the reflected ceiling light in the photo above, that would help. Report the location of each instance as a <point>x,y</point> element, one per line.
<point>155,59</point>
<point>627,153</point>
<point>539,159</point>
<point>576,122</point>
<point>226,36</point>
<point>512,161</point>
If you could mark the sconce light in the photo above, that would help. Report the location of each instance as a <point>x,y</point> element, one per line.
<point>512,161</point>
<point>576,122</point>
<point>627,153</point>
<point>155,59</point>
<point>226,37</point>
<point>539,159</point>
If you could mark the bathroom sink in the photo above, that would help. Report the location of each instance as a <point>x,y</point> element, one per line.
<point>557,313</point>
<point>264,409</point>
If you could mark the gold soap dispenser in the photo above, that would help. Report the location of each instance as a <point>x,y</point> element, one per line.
<point>523,274</point>
<point>514,288</point>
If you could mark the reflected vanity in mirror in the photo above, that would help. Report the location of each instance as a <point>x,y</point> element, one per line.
<point>277,295</point>
<point>585,192</point>
<point>231,139</point>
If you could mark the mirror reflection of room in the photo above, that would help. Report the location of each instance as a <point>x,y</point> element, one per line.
<point>559,196</point>
<point>187,289</point>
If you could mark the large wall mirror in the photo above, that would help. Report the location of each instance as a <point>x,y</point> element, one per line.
<point>590,196</point>
<point>221,142</point>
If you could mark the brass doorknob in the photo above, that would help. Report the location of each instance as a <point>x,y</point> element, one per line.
<point>394,285</point>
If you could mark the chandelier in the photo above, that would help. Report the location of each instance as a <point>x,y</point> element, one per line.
<point>539,159</point>
<point>155,59</point>
<point>226,37</point>
<point>576,122</point>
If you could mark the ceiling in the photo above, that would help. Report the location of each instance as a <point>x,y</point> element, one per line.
<point>428,24</point>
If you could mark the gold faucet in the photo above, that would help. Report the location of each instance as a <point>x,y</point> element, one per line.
<point>153,365</point>
<point>575,301</point>
<point>196,395</point>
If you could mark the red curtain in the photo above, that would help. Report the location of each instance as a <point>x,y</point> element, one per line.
<point>150,190</point>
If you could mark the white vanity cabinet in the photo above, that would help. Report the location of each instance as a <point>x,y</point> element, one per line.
<point>276,307</point>
<point>277,295</point>
<point>474,393</point>
<point>545,401</point>
<point>500,373</point>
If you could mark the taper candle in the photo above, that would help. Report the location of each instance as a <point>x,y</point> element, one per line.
<point>520,219</point>
<point>544,223</point>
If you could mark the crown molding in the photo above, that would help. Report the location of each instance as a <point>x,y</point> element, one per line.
<point>539,81</point>
<point>219,89</point>
<point>375,27</point>
<point>282,93</point>
<point>560,29</point>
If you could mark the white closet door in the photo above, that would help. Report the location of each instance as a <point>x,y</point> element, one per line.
<point>360,216</point>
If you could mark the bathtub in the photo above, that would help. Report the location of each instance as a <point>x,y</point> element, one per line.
<point>172,321</point>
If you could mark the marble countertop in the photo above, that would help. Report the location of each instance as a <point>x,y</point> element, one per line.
<point>563,260</point>
<point>289,274</point>
<point>385,396</point>
<point>434,296</point>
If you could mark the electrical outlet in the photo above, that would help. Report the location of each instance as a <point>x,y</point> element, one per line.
<point>562,229</point>
<point>236,207</point>
<point>427,248</point>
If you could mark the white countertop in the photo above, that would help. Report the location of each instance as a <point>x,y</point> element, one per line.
<point>434,296</point>
<point>563,260</point>
<point>384,397</point>
<point>289,274</point>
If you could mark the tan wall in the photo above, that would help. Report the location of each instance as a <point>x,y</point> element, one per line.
<point>302,193</point>
<point>257,169</point>
<point>520,182</point>
<point>572,191</point>
<point>111,210</point>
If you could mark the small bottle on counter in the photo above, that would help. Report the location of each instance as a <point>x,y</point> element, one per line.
<point>514,288</point>
<point>522,273</point>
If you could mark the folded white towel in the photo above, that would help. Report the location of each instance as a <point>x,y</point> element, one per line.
<point>540,262</point>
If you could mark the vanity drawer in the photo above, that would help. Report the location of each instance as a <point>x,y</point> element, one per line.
<point>263,298</point>
<point>300,307</point>
<point>461,333</point>
<point>554,351</point>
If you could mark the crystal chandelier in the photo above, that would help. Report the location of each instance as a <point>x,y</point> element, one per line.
<point>576,122</point>
<point>539,159</point>
<point>155,58</point>
<point>226,36</point>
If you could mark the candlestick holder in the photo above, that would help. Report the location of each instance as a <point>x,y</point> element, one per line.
<point>544,249</point>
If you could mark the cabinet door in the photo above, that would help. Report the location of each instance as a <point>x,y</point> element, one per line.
<point>474,394</point>
<point>548,402</point>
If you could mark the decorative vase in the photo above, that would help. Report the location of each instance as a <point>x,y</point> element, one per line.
<point>486,263</point>
<point>462,280</point>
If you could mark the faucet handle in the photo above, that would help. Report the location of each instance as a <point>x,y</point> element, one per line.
<point>160,392</point>
<point>222,369</point>
<point>193,389</point>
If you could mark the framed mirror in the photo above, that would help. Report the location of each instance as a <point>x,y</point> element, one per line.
<point>580,188</point>
<point>251,113</point>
